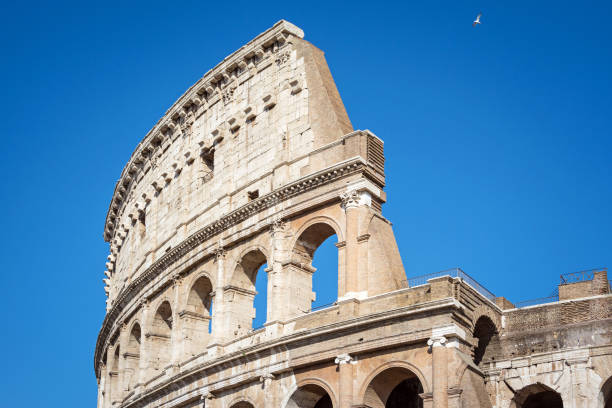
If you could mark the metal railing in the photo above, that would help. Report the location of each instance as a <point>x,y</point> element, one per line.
<point>453,273</point>
<point>539,301</point>
<point>580,276</point>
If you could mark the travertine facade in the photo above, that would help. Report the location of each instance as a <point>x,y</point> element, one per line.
<point>255,164</point>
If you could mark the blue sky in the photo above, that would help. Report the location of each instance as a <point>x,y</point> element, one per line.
<point>497,142</point>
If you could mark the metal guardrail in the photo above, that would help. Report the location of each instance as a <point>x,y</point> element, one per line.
<point>453,273</point>
<point>312,309</point>
<point>539,301</point>
<point>580,276</point>
<point>566,278</point>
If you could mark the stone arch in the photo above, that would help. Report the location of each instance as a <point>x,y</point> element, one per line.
<point>390,380</point>
<point>298,270</point>
<point>483,310</point>
<point>310,393</point>
<point>605,394</point>
<point>199,296</point>
<point>318,219</point>
<point>241,401</point>
<point>114,374</point>
<point>161,335</point>
<point>537,395</point>
<point>195,318</point>
<point>487,334</point>
<point>239,295</point>
<point>132,355</point>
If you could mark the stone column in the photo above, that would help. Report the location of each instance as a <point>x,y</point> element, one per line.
<point>102,385</point>
<point>355,205</point>
<point>345,368</point>
<point>268,387</point>
<point>578,394</point>
<point>123,375</point>
<point>144,342</point>
<point>219,331</point>
<point>439,371</point>
<point>276,301</point>
<point>208,401</point>
<point>176,338</point>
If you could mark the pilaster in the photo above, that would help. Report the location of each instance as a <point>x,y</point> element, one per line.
<point>439,371</point>
<point>345,368</point>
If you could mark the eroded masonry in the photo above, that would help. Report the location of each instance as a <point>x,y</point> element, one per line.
<point>258,163</point>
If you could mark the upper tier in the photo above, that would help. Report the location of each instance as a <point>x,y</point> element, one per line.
<point>246,128</point>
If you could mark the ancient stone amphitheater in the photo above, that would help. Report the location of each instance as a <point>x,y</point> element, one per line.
<point>258,163</point>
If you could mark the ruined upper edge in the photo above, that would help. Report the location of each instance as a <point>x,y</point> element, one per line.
<point>279,31</point>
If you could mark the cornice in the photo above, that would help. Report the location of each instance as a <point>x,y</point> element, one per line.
<point>351,166</point>
<point>208,87</point>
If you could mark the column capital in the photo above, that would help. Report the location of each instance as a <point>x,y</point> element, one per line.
<point>437,341</point>
<point>344,359</point>
<point>219,252</point>
<point>207,396</point>
<point>350,199</point>
<point>277,225</point>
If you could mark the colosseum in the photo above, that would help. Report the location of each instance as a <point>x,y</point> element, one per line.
<point>258,164</point>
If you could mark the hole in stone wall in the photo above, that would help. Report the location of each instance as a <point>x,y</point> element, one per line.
<point>253,195</point>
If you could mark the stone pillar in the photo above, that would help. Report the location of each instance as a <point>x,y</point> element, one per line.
<point>144,342</point>
<point>439,371</point>
<point>177,343</point>
<point>123,341</point>
<point>355,206</point>
<point>208,401</point>
<point>345,368</point>
<point>268,388</point>
<point>578,392</point>
<point>219,331</point>
<point>277,301</point>
<point>102,386</point>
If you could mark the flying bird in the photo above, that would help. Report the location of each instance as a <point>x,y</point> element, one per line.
<point>477,21</point>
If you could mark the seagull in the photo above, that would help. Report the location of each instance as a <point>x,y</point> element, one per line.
<point>477,21</point>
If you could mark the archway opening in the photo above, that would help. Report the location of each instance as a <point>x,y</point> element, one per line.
<point>196,318</point>
<point>315,266</point>
<point>606,394</point>
<point>394,388</point>
<point>243,404</point>
<point>310,396</point>
<point>132,357</point>
<point>161,336</point>
<point>242,291</point>
<point>537,396</point>
<point>115,391</point>
<point>486,333</point>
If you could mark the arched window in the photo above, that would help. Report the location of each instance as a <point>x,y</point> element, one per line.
<point>394,388</point>
<point>197,315</point>
<point>310,396</point>
<point>537,396</point>
<point>314,268</point>
<point>606,394</point>
<point>488,341</point>
<point>114,375</point>
<point>161,337</point>
<point>132,357</point>
<point>240,294</point>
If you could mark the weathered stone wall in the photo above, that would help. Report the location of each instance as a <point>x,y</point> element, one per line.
<point>256,164</point>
